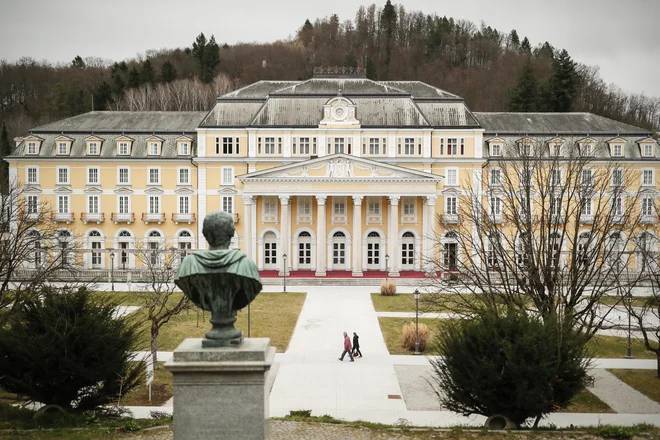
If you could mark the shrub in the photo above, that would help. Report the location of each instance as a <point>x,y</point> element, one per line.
<point>388,288</point>
<point>510,364</point>
<point>408,336</point>
<point>66,348</point>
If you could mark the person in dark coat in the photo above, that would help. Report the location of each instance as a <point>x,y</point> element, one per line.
<point>356,345</point>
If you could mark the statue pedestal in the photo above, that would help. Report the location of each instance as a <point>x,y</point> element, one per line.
<point>220,393</point>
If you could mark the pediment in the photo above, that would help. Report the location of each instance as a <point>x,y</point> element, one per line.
<point>93,138</point>
<point>183,138</point>
<point>64,138</point>
<point>647,140</point>
<point>63,190</point>
<point>616,140</point>
<point>32,189</point>
<point>227,191</point>
<point>154,191</point>
<point>184,191</point>
<point>93,190</point>
<point>339,167</point>
<point>495,140</point>
<point>33,137</point>
<point>123,190</point>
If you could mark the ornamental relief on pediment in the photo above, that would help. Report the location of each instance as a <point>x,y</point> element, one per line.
<point>341,168</point>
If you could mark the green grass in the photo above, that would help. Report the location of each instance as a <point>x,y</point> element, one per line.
<point>586,402</point>
<point>161,390</point>
<point>272,315</point>
<point>615,347</point>
<point>644,381</point>
<point>638,301</point>
<point>392,327</point>
<point>404,302</point>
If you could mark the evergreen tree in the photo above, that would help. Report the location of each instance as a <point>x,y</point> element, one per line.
<point>563,82</point>
<point>78,62</point>
<point>514,39</point>
<point>5,150</point>
<point>133,78</point>
<point>372,73</point>
<point>350,60</point>
<point>102,96</point>
<point>306,33</point>
<point>207,55</point>
<point>388,25</point>
<point>545,51</point>
<point>526,47</point>
<point>147,73</point>
<point>168,72</point>
<point>523,97</point>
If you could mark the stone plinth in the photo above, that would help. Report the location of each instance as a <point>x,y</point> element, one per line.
<point>220,393</point>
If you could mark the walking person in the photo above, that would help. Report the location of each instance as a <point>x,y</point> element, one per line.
<point>347,348</point>
<point>356,345</point>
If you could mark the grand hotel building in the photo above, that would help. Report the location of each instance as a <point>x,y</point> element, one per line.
<point>337,171</point>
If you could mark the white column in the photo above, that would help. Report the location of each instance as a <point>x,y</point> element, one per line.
<point>253,229</point>
<point>429,232</point>
<point>393,226</point>
<point>284,233</point>
<point>201,206</point>
<point>320,236</point>
<point>247,226</point>
<point>357,236</point>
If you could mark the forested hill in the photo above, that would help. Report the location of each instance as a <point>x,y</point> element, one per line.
<point>493,70</point>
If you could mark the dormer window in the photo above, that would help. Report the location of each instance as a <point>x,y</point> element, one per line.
<point>184,148</point>
<point>617,150</point>
<point>123,149</point>
<point>32,148</point>
<point>93,148</point>
<point>587,150</point>
<point>62,148</point>
<point>496,150</point>
<point>124,145</point>
<point>526,147</point>
<point>647,150</point>
<point>154,148</point>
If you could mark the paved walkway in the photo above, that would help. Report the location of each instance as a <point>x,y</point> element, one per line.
<point>619,396</point>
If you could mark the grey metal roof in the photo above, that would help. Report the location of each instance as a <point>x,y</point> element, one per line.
<point>232,114</point>
<point>553,123</point>
<point>258,90</point>
<point>106,121</point>
<point>447,114</point>
<point>331,87</point>
<point>420,90</point>
<point>108,146</point>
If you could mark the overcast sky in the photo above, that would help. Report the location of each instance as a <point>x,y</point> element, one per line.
<point>620,36</point>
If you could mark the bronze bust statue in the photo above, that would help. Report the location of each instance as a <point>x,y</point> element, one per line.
<point>219,280</point>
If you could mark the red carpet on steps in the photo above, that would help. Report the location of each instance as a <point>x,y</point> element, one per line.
<point>340,274</point>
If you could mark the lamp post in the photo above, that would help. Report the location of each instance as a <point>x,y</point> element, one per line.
<point>416,295</point>
<point>387,266</point>
<point>629,351</point>
<point>284,258</point>
<point>112,270</point>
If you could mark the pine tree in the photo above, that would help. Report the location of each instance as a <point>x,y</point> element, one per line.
<point>306,33</point>
<point>102,96</point>
<point>211,60</point>
<point>133,78</point>
<point>563,82</point>
<point>78,62</point>
<point>372,73</point>
<point>350,60</point>
<point>523,97</point>
<point>147,73</point>
<point>526,47</point>
<point>388,25</point>
<point>167,72</point>
<point>515,40</point>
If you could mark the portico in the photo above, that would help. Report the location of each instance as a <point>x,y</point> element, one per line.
<point>339,212</point>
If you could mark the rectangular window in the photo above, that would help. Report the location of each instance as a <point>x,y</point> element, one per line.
<point>442,146</point>
<point>409,205</point>
<point>373,206</point>
<point>587,177</point>
<point>496,150</point>
<point>304,205</point>
<point>62,175</point>
<point>496,177</point>
<point>270,206</point>
<point>339,205</point>
<point>648,150</point>
<point>93,148</point>
<point>647,206</point>
<point>123,148</point>
<point>238,147</point>
<point>586,206</point>
<point>495,205</point>
<point>555,206</point>
<point>154,176</point>
<point>279,145</point>
<point>462,147</point>
<point>124,176</point>
<point>33,175</point>
<point>409,146</point>
<point>314,147</point>
<point>228,204</point>
<point>184,176</point>
<point>647,177</point>
<point>452,177</point>
<point>124,204</point>
<point>617,177</point>
<point>617,150</point>
<point>93,176</point>
<point>227,175</point>
<point>339,145</point>
<point>555,149</point>
<point>618,206</point>
<point>32,204</point>
<point>384,146</point>
<point>451,205</point>
<point>374,147</point>
<point>32,148</point>
<point>269,145</point>
<point>184,205</point>
<point>587,150</point>
<point>93,204</point>
<point>184,148</point>
<point>452,146</point>
<point>227,145</point>
<point>293,144</point>
<point>304,145</point>
<point>258,145</point>
<point>154,204</point>
<point>62,148</point>
<point>153,148</point>
<point>63,204</point>
<point>555,178</point>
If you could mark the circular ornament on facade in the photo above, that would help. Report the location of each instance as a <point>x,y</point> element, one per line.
<point>340,112</point>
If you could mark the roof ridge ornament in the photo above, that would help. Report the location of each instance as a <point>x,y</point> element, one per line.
<point>339,72</point>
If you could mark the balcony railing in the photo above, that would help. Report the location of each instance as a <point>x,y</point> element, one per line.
<point>149,217</point>
<point>183,218</point>
<point>92,217</point>
<point>63,217</point>
<point>123,217</point>
<point>647,219</point>
<point>586,219</point>
<point>450,218</point>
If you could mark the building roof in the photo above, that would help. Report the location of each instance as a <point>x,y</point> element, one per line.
<point>553,123</point>
<point>117,122</point>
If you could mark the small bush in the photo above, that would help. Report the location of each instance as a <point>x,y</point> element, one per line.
<point>408,338</point>
<point>615,432</point>
<point>453,277</point>
<point>300,413</point>
<point>388,288</point>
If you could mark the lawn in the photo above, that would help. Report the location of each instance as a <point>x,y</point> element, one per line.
<point>638,301</point>
<point>405,302</point>
<point>615,347</point>
<point>586,402</point>
<point>391,329</point>
<point>272,315</point>
<point>644,381</point>
<point>161,390</point>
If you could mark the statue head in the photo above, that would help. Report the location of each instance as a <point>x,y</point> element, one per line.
<point>218,229</point>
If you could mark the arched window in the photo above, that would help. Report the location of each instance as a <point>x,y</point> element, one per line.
<point>184,234</point>
<point>304,234</point>
<point>94,234</point>
<point>373,234</point>
<point>339,234</point>
<point>408,235</point>
<point>125,234</point>
<point>95,243</point>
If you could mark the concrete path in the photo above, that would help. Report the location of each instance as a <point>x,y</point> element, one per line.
<point>619,396</point>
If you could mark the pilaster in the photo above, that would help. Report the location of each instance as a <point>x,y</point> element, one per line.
<point>393,226</point>
<point>321,237</point>
<point>357,236</point>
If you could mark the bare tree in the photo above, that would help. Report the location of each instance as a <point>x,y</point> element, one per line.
<point>158,296</point>
<point>544,226</point>
<point>34,250</point>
